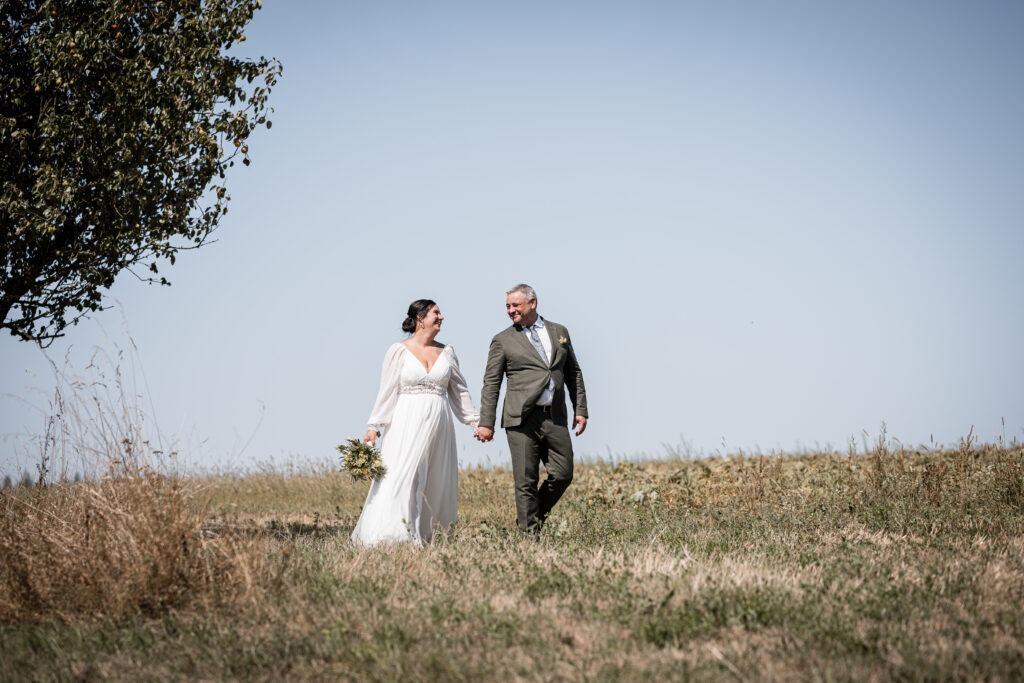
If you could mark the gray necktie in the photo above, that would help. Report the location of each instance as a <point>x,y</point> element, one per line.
<point>535,340</point>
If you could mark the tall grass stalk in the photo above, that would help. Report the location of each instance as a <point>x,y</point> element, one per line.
<point>125,536</point>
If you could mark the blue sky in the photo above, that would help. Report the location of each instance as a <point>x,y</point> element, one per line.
<point>768,226</point>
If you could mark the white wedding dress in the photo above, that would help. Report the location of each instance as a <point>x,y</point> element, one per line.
<point>417,497</point>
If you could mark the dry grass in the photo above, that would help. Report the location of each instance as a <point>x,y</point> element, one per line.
<point>130,541</point>
<point>118,547</point>
<point>896,565</point>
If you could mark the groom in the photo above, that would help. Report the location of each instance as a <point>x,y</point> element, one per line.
<point>536,356</point>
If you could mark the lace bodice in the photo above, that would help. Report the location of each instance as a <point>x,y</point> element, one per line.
<point>403,376</point>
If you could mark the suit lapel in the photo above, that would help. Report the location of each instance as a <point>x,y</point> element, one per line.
<point>520,341</point>
<point>525,346</point>
<point>555,333</point>
<point>549,330</point>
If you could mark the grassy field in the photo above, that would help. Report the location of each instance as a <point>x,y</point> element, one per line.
<point>890,565</point>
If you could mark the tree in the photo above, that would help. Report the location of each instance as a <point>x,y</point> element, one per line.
<point>118,122</point>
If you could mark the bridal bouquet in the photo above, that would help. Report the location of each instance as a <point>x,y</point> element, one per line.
<point>361,460</point>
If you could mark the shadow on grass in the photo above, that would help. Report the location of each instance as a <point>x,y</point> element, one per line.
<point>280,530</point>
<point>285,530</point>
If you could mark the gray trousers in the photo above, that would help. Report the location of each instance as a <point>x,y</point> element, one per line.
<point>539,440</point>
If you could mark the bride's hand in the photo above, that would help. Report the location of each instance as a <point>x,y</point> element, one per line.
<point>371,436</point>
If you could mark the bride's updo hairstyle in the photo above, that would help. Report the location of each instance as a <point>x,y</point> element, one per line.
<point>417,309</point>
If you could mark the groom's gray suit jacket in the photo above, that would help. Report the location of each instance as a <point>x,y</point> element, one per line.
<point>511,355</point>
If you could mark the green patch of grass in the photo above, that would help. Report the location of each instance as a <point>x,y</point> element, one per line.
<point>713,611</point>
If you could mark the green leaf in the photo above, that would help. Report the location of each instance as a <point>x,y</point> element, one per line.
<point>109,152</point>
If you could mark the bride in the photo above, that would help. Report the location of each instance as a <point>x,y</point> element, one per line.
<point>421,387</point>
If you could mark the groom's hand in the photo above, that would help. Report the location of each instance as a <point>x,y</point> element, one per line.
<point>581,424</point>
<point>484,434</point>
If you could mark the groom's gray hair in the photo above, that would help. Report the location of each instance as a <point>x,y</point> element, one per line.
<point>525,290</point>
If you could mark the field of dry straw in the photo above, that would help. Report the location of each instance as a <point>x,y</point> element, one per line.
<point>889,565</point>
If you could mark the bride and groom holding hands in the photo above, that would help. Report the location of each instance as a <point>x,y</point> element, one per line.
<point>421,389</point>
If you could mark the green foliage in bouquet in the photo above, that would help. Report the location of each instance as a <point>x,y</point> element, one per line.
<point>361,460</point>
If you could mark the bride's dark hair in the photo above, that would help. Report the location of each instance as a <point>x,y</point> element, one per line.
<point>417,309</point>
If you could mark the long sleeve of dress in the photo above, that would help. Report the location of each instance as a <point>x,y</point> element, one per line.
<point>387,396</point>
<point>458,395</point>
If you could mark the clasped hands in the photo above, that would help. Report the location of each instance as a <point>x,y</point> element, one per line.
<point>485,434</point>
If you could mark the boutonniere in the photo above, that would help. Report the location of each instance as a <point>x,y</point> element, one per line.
<point>563,341</point>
